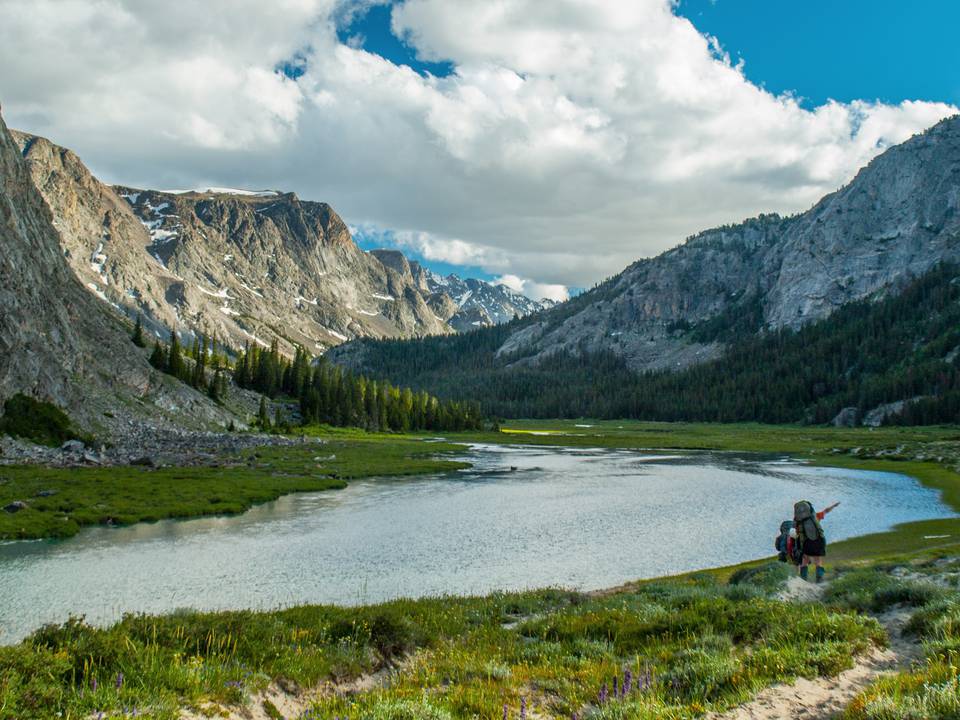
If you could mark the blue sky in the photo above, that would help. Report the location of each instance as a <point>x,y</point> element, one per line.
<point>817,50</point>
<point>371,31</point>
<point>574,138</point>
<point>888,50</point>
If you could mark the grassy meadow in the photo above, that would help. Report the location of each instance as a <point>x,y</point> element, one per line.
<point>671,648</point>
<point>63,500</point>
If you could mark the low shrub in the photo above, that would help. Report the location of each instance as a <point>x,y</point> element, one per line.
<point>768,577</point>
<point>41,422</point>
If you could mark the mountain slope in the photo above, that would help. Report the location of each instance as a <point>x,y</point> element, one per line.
<point>895,220</point>
<point>725,290</point>
<point>59,343</point>
<point>245,266</point>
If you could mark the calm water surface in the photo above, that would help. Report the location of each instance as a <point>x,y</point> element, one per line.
<point>576,518</point>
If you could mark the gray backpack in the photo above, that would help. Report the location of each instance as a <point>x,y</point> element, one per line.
<point>805,520</point>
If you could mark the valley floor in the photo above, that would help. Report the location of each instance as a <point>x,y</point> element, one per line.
<point>731,642</point>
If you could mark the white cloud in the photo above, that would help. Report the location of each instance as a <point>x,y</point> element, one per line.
<point>532,289</point>
<point>574,137</point>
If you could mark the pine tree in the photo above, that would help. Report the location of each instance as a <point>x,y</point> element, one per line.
<point>175,364</point>
<point>158,358</point>
<point>263,417</point>
<point>138,333</point>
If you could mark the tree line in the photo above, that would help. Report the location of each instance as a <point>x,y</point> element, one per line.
<point>191,367</point>
<point>328,394</point>
<point>867,353</point>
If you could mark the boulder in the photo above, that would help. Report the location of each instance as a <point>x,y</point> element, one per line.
<point>880,414</point>
<point>16,506</point>
<point>848,417</point>
<point>72,446</point>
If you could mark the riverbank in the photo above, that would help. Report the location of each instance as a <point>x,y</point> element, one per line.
<point>674,648</point>
<point>59,501</point>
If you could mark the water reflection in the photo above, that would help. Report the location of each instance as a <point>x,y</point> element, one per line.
<point>521,517</point>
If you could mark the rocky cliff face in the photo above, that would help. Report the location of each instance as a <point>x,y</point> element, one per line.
<point>244,266</point>
<point>58,342</point>
<point>895,220</point>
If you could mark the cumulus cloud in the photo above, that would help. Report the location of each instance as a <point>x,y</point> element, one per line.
<point>533,289</point>
<point>573,137</point>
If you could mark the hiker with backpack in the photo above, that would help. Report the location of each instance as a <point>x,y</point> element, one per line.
<point>811,542</point>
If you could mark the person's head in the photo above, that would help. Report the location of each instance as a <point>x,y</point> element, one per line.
<point>793,532</point>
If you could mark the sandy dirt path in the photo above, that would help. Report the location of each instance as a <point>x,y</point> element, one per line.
<point>823,698</point>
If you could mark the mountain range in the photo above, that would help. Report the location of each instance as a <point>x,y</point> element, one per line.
<point>246,266</point>
<point>59,342</point>
<point>696,304</point>
<point>83,257</point>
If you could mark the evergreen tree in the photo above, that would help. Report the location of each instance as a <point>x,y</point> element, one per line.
<point>175,364</point>
<point>137,336</point>
<point>263,417</point>
<point>158,358</point>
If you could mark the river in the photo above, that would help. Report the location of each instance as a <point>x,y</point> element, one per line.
<point>522,517</point>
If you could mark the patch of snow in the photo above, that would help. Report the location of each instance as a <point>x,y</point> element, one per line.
<point>237,191</point>
<point>301,299</point>
<point>250,289</point>
<point>338,336</point>
<point>131,197</point>
<point>222,293</point>
<point>225,309</point>
<point>463,298</point>
<point>366,312</point>
<point>384,297</point>
<point>257,340</point>
<point>98,292</point>
<point>226,258</point>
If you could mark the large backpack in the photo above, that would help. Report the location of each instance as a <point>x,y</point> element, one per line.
<point>805,520</point>
<point>781,544</point>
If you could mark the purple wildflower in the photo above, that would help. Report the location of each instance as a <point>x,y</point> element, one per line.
<point>505,712</point>
<point>627,682</point>
<point>119,681</point>
<point>523,709</point>
<point>93,684</point>
<point>616,689</point>
<point>602,696</point>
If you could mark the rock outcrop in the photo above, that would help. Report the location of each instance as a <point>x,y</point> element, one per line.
<point>895,220</point>
<point>57,341</point>
<point>244,266</point>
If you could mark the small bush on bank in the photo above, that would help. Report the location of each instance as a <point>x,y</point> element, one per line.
<point>41,422</point>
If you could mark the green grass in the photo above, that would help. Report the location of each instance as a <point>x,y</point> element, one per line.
<point>122,495</point>
<point>706,641</point>
<point>930,690</point>
<point>691,645</point>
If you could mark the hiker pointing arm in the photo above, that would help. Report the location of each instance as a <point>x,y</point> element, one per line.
<point>822,513</point>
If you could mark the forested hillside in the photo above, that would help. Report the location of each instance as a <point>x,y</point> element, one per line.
<point>864,356</point>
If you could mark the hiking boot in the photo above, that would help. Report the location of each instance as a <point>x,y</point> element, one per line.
<point>804,572</point>
<point>820,573</point>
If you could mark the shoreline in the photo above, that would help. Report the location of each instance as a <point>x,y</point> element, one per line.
<point>840,551</point>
